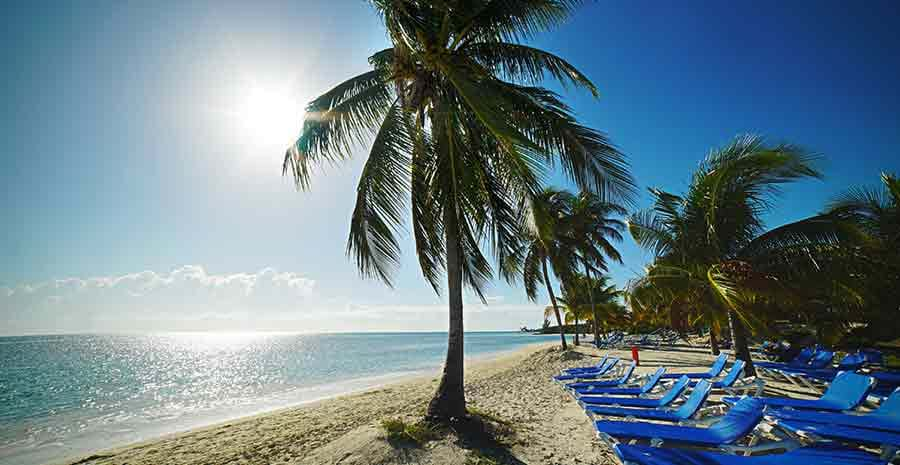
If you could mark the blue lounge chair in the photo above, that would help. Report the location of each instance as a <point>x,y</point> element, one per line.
<point>733,383</point>
<point>673,393</point>
<point>803,376</point>
<point>847,392</point>
<point>886,417</point>
<point>626,375</point>
<point>598,367</point>
<point>889,442</point>
<point>607,368</point>
<point>820,361</point>
<point>813,379</point>
<point>850,362</point>
<point>820,454</point>
<point>799,361</point>
<point>715,370</point>
<point>887,381</point>
<point>684,412</point>
<point>650,383</point>
<point>740,420</point>
<point>873,357</point>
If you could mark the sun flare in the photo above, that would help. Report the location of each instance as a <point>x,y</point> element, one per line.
<point>268,117</point>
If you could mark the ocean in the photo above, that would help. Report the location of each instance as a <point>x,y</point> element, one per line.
<point>66,395</point>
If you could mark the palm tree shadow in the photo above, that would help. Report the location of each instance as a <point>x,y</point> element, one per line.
<point>488,439</point>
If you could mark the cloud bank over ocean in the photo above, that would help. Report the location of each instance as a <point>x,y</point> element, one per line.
<point>190,298</point>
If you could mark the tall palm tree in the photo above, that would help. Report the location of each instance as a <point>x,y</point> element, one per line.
<point>712,249</point>
<point>460,134</point>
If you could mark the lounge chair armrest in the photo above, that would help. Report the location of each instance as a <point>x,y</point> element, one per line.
<point>738,449</point>
<point>710,410</point>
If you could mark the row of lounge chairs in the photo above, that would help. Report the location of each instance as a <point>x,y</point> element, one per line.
<point>813,369</point>
<point>668,418</point>
<point>618,339</point>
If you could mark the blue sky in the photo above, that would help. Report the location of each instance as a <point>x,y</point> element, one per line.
<point>142,146</point>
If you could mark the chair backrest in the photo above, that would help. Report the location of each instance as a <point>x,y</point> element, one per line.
<point>803,357</point>
<point>848,390</point>
<point>852,362</point>
<point>891,406</point>
<point>627,373</point>
<point>612,362</point>
<point>822,359</point>
<point>680,385</point>
<point>873,357</point>
<point>602,362</point>
<point>741,418</point>
<point>653,380</point>
<point>736,370</point>
<point>694,401</point>
<point>718,365</point>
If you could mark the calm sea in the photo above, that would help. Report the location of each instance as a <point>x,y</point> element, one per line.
<point>71,394</point>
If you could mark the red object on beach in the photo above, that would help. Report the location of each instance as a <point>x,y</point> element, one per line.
<point>634,356</point>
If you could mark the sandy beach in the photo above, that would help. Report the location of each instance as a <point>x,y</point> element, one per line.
<point>540,423</point>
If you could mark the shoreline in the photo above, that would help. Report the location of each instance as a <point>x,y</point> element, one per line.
<point>543,424</point>
<point>366,384</point>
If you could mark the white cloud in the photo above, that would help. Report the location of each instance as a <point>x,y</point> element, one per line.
<point>191,298</point>
<point>185,293</point>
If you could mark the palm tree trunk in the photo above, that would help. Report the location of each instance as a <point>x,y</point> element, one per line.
<point>587,272</point>
<point>713,342</point>
<point>562,333</point>
<point>739,341</point>
<point>450,400</point>
<point>576,329</point>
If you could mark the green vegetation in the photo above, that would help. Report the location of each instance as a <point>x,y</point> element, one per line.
<point>594,300</point>
<point>716,265</point>
<point>461,137</point>
<point>714,259</point>
<point>399,431</point>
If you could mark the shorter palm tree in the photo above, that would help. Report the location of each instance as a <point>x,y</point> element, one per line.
<point>870,267</point>
<point>545,247</point>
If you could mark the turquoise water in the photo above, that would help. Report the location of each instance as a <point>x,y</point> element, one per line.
<point>70,394</point>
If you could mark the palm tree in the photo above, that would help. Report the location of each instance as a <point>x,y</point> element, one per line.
<point>546,246</point>
<point>871,267</point>
<point>593,299</point>
<point>595,231</point>
<point>460,134</point>
<point>712,250</point>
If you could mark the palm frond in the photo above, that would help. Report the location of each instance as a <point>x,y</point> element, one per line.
<point>336,121</point>
<point>511,20</point>
<point>381,198</point>
<point>529,65</point>
<point>651,233</point>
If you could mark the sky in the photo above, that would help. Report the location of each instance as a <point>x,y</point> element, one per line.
<point>141,168</point>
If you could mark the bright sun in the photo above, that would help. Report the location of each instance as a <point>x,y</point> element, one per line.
<point>268,118</point>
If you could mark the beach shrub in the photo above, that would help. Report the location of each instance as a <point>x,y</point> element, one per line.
<point>398,430</point>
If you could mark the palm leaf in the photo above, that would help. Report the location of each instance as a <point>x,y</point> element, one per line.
<point>381,198</point>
